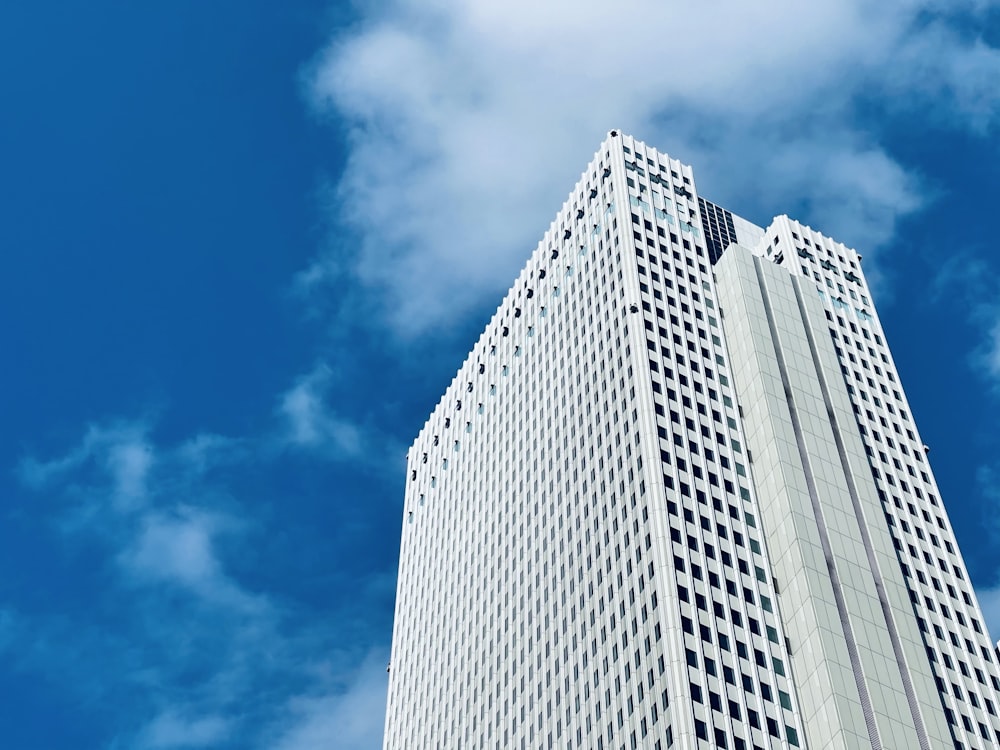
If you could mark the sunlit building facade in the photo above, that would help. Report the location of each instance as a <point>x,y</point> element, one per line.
<point>675,497</point>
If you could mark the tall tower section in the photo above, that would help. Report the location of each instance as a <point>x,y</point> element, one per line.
<point>582,563</point>
<point>674,497</point>
<point>877,439</point>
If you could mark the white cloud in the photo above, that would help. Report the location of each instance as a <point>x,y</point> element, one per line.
<point>192,654</point>
<point>207,450</point>
<point>468,121</point>
<point>990,353</point>
<point>171,730</point>
<point>191,628</point>
<point>129,462</point>
<point>178,547</point>
<point>310,421</point>
<point>348,719</point>
<point>120,453</point>
<point>136,499</point>
<point>36,474</point>
<point>8,625</point>
<point>159,537</point>
<point>974,283</point>
<point>965,76</point>
<point>988,481</point>
<point>989,601</point>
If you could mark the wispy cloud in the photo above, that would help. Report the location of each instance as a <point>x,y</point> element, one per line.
<point>118,451</point>
<point>971,283</point>
<point>178,547</point>
<point>157,536</point>
<point>206,451</point>
<point>192,644</point>
<point>989,601</point>
<point>310,421</point>
<point>963,78</point>
<point>350,718</point>
<point>989,354</point>
<point>6,628</point>
<point>169,730</point>
<point>974,283</point>
<point>988,486</point>
<point>467,122</point>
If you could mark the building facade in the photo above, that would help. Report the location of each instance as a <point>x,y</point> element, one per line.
<point>674,497</point>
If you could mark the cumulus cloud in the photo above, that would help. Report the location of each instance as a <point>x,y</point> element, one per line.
<point>467,122</point>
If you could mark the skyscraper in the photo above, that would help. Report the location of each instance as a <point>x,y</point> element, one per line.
<point>675,497</point>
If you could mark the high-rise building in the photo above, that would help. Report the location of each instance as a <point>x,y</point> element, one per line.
<point>675,497</point>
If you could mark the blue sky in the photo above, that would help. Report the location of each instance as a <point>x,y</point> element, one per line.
<point>246,245</point>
